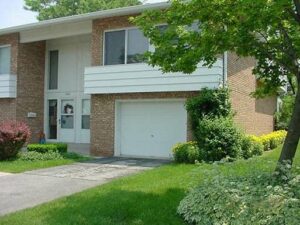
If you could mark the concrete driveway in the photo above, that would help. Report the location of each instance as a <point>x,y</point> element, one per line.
<point>24,190</point>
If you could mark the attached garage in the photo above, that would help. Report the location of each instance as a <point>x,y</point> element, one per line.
<point>149,128</point>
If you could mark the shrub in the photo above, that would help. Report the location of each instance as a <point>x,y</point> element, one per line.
<point>256,199</point>
<point>187,152</point>
<point>218,138</point>
<point>43,148</point>
<point>250,147</point>
<point>257,148</point>
<point>61,147</point>
<point>209,103</point>
<point>270,141</point>
<point>13,135</point>
<point>38,156</point>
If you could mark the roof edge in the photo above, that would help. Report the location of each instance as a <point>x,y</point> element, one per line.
<point>87,16</point>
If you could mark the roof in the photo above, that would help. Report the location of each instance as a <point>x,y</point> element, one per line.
<point>87,16</point>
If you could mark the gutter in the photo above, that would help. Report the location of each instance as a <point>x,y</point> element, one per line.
<point>88,16</point>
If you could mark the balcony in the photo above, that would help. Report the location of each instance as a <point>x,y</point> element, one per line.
<point>8,86</point>
<point>133,78</point>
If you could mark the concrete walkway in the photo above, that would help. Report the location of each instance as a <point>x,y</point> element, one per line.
<point>24,190</point>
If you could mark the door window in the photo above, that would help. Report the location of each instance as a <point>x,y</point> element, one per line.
<point>67,114</point>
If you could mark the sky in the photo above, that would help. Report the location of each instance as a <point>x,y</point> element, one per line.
<point>12,13</point>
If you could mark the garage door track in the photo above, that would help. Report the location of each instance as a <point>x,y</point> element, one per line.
<point>24,190</point>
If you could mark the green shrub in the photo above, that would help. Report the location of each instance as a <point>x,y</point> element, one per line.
<point>256,199</point>
<point>218,138</point>
<point>43,148</point>
<point>61,147</point>
<point>251,147</point>
<point>247,148</point>
<point>209,103</point>
<point>187,152</point>
<point>38,156</point>
<point>257,148</point>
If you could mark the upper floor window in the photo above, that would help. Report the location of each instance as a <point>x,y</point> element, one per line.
<point>53,70</point>
<point>125,47</point>
<point>4,60</point>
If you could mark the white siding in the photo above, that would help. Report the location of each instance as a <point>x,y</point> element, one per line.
<point>144,78</point>
<point>8,86</point>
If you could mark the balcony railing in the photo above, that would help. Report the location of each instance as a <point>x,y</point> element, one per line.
<point>132,78</point>
<point>8,86</point>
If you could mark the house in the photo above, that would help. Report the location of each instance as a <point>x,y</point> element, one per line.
<point>80,81</point>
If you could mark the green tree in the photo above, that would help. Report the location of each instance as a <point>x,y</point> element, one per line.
<point>50,9</point>
<point>201,30</point>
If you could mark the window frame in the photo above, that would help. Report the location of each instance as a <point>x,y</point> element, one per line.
<point>126,29</point>
<point>49,69</point>
<point>10,57</point>
<point>85,114</point>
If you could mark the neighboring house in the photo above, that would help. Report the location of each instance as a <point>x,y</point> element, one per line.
<point>80,80</point>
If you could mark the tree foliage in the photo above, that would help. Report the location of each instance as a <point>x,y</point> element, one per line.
<point>202,30</point>
<point>50,9</point>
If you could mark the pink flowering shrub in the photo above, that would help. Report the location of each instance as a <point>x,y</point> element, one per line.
<point>13,135</point>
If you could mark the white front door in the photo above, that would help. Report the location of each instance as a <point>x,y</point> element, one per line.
<point>67,121</point>
<point>150,128</point>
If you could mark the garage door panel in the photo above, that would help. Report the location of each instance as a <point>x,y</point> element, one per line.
<point>150,129</point>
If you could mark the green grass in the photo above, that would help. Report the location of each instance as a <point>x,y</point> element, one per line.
<point>18,166</point>
<point>148,198</point>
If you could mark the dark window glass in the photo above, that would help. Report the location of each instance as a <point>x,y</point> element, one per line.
<point>137,45</point>
<point>52,119</point>
<point>114,47</point>
<point>53,72</point>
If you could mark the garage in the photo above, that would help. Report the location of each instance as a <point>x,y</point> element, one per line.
<point>150,128</point>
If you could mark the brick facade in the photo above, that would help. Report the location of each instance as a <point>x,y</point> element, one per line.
<point>103,117</point>
<point>30,86</point>
<point>28,63</point>
<point>8,105</point>
<point>255,116</point>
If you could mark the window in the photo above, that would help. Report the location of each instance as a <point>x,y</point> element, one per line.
<point>4,60</point>
<point>53,70</point>
<point>125,46</point>
<point>86,112</point>
<point>67,114</point>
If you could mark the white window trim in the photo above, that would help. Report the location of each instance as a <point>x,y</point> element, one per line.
<point>126,29</point>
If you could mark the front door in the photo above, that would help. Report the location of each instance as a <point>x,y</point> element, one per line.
<point>67,121</point>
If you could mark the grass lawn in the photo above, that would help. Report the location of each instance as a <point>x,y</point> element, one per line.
<point>148,198</point>
<point>18,166</point>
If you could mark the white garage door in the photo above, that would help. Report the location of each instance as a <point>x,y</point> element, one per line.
<point>150,128</point>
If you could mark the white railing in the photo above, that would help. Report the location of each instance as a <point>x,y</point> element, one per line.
<point>8,86</point>
<point>132,78</point>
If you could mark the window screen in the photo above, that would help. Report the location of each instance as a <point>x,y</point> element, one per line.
<point>4,60</point>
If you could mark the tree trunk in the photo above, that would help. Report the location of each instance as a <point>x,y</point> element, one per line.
<point>292,139</point>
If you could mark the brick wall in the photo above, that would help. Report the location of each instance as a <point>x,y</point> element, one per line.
<point>8,105</point>
<point>254,116</point>
<point>28,63</point>
<point>30,86</point>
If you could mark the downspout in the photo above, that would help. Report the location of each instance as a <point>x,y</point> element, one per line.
<point>225,60</point>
